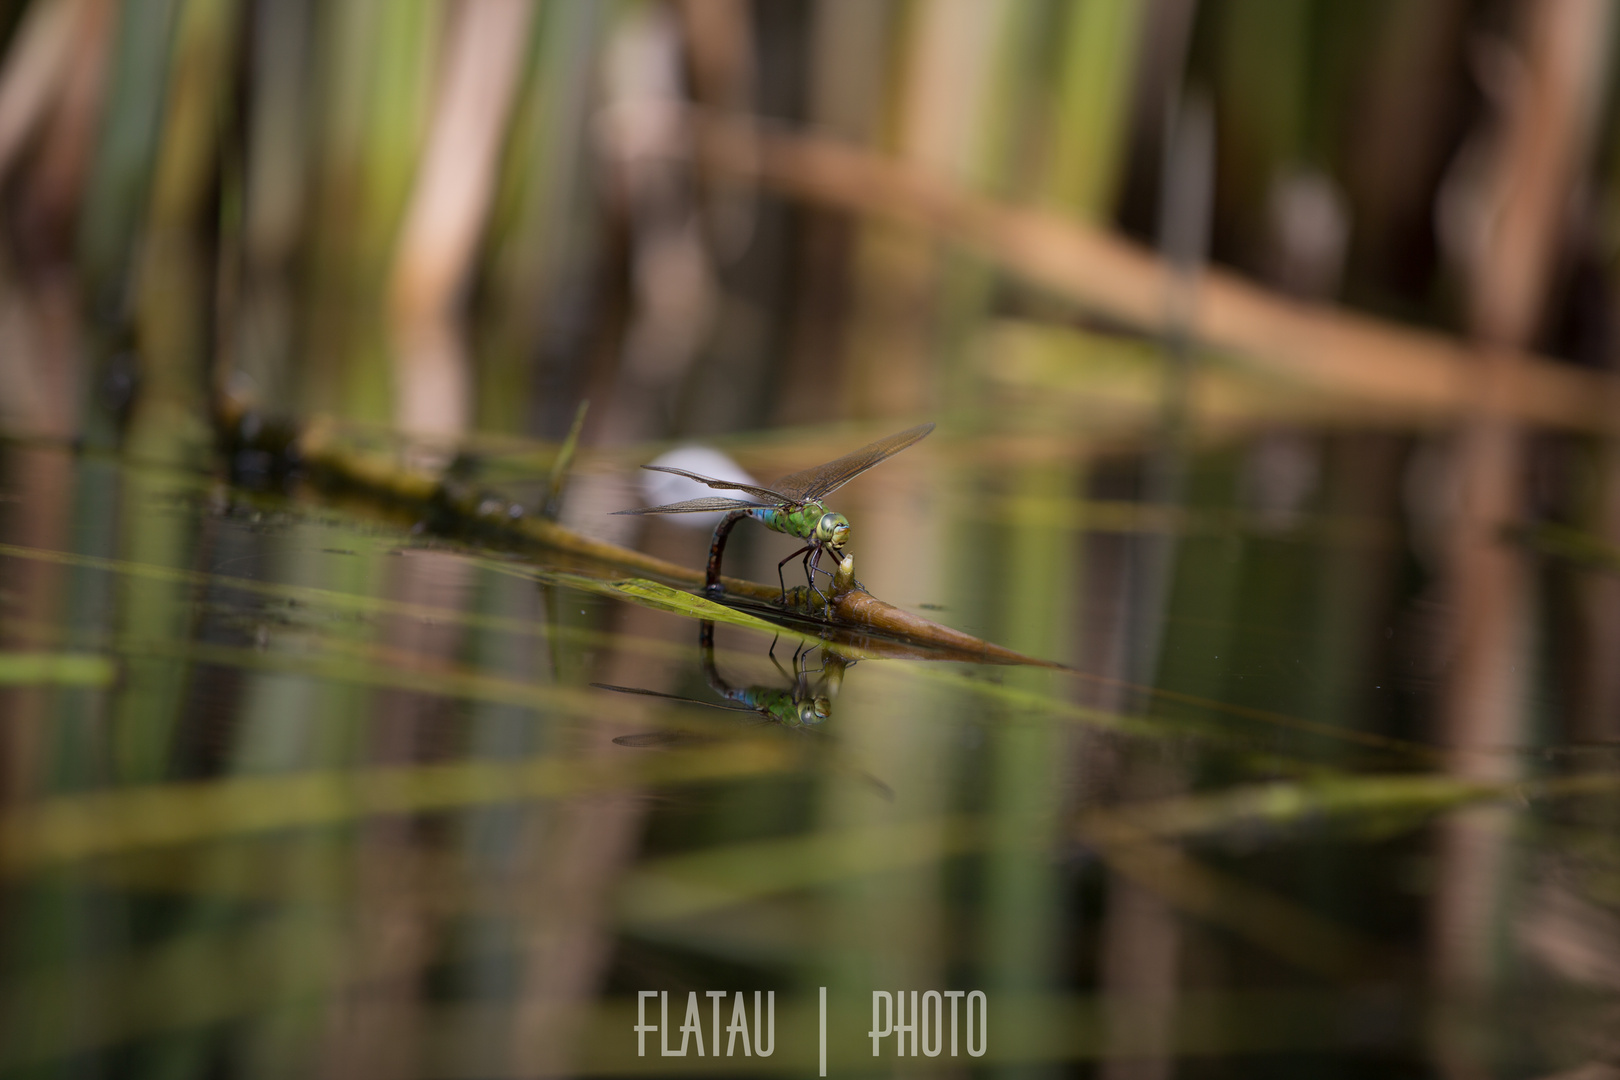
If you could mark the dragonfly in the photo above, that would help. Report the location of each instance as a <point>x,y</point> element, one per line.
<point>792,505</point>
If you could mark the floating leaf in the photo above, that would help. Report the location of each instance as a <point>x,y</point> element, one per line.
<point>666,598</point>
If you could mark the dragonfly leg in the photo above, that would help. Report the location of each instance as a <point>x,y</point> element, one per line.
<point>811,565</point>
<point>809,574</point>
<point>780,580</point>
<point>780,670</point>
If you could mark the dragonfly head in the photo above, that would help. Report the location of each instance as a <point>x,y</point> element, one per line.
<point>814,711</point>
<point>833,531</point>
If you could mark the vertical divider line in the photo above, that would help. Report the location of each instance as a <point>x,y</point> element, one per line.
<point>823,1031</point>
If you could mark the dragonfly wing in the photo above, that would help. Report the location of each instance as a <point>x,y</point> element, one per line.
<point>825,479</point>
<point>725,485</point>
<point>697,506</point>
<point>671,697</point>
<point>879,786</point>
<point>665,738</point>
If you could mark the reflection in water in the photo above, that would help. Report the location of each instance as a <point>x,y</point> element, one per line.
<point>388,770</point>
<point>798,708</point>
<point>802,706</point>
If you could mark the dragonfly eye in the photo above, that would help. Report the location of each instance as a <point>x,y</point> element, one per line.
<point>814,711</point>
<point>833,530</point>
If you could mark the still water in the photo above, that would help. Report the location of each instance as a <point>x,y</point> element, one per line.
<point>294,786</point>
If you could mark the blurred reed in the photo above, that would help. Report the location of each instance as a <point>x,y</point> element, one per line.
<point>472,155</point>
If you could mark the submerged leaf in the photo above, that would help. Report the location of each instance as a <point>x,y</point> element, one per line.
<point>59,668</point>
<point>102,823</point>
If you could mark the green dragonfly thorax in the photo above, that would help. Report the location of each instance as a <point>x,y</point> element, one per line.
<point>789,708</point>
<point>810,521</point>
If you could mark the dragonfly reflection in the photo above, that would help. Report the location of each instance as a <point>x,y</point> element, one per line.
<point>802,706</point>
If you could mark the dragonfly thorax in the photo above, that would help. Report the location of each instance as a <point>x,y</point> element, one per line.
<point>808,521</point>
